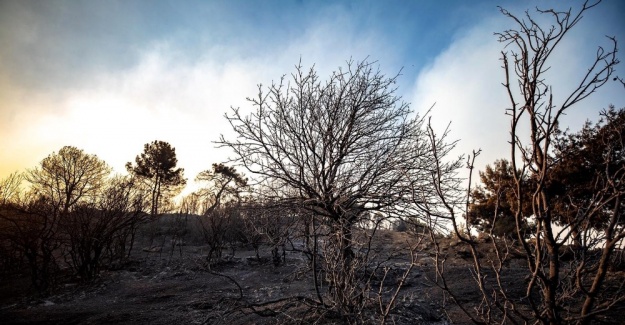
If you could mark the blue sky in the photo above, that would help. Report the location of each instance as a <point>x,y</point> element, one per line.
<point>109,76</point>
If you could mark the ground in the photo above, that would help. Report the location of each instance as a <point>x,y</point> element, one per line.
<point>161,287</point>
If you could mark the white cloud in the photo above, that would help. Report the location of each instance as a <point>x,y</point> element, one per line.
<point>157,100</point>
<point>465,82</point>
<point>171,98</point>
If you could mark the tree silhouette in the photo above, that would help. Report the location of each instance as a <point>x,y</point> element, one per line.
<point>221,183</point>
<point>157,165</point>
<point>579,161</point>
<point>68,176</point>
<point>98,230</point>
<point>59,185</point>
<point>583,163</point>
<point>494,203</point>
<point>218,203</point>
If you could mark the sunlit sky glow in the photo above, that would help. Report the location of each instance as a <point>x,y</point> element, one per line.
<point>110,76</point>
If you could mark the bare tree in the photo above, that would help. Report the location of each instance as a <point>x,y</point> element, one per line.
<point>558,289</point>
<point>67,177</point>
<point>73,211</point>
<point>31,227</point>
<point>338,148</point>
<point>97,231</point>
<point>11,257</point>
<point>61,182</point>
<point>10,188</point>
<point>217,204</point>
<point>531,48</point>
<point>270,222</point>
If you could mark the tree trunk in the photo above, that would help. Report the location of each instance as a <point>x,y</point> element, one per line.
<point>156,191</point>
<point>347,254</point>
<point>576,236</point>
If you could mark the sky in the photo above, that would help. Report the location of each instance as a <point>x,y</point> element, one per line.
<point>109,76</point>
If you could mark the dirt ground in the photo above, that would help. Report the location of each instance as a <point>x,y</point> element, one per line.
<point>158,287</point>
